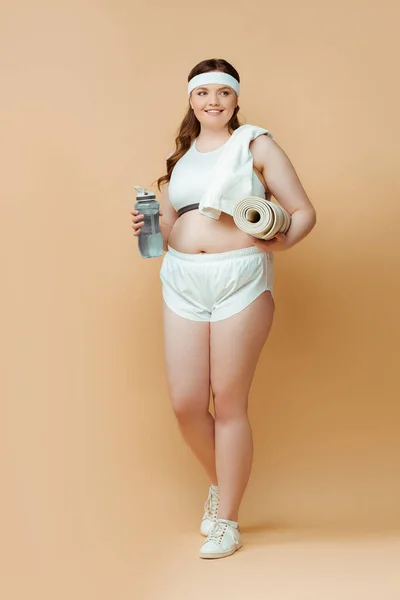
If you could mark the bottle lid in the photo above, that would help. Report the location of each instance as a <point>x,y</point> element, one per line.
<point>143,194</point>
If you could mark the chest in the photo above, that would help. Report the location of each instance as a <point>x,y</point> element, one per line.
<point>196,169</point>
<point>192,174</point>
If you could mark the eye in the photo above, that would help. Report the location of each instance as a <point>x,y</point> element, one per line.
<point>204,92</point>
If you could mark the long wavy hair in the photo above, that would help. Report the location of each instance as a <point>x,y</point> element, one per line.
<point>190,126</point>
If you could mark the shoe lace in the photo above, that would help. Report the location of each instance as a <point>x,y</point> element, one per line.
<point>211,505</point>
<point>217,532</point>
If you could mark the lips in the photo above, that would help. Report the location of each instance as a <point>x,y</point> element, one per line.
<point>214,112</point>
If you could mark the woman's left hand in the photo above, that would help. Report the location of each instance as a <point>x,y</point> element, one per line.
<point>277,243</point>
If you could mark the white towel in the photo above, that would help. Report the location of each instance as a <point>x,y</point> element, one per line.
<point>231,176</point>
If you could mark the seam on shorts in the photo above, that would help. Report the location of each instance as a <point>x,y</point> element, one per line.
<point>184,316</point>
<point>267,289</point>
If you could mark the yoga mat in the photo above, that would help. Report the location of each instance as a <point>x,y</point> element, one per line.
<point>261,218</point>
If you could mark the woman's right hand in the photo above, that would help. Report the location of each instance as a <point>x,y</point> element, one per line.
<point>137,222</point>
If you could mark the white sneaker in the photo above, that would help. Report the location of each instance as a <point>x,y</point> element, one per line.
<point>223,540</point>
<point>210,511</point>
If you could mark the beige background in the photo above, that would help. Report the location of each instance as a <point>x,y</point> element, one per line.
<point>100,498</point>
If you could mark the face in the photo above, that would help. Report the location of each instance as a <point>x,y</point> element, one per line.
<point>213,97</point>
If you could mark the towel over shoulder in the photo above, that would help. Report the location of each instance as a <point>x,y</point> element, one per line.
<point>231,177</point>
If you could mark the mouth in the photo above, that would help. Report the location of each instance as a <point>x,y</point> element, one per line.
<point>214,112</point>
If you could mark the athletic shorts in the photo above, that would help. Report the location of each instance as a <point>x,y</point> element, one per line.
<point>212,287</point>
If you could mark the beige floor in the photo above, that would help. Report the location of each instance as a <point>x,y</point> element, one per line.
<point>134,536</point>
<point>277,564</point>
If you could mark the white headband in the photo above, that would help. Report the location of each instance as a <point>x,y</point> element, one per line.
<point>213,77</point>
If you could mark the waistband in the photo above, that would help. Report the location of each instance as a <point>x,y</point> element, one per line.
<point>219,256</point>
<point>186,209</point>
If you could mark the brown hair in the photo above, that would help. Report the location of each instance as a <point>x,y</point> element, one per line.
<point>190,126</point>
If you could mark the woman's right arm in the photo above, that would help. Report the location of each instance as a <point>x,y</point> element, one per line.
<point>169,215</point>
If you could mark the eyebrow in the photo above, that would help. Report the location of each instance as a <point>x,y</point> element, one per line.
<point>202,87</point>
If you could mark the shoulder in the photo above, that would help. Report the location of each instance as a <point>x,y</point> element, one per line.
<point>268,156</point>
<point>257,137</point>
<point>262,146</point>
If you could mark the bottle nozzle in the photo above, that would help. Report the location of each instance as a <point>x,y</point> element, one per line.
<point>140,189</point>
<point>142,193</point>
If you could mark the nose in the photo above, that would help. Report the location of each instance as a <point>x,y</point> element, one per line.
<point>213,101</point>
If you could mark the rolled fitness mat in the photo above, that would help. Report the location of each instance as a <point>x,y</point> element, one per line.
<point>261,218</point>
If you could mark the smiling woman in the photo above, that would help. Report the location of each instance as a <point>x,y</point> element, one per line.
<point>214,101</point>
<point>217,283</point>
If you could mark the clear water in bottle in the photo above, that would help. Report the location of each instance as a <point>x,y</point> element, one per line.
<point>150,239</point>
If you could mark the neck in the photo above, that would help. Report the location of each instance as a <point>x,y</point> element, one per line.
<point>213,135</point>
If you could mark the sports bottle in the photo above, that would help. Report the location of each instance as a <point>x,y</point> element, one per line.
<point>150,238</point>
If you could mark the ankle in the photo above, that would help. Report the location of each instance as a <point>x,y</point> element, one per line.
<point>231,522</point>
<point>227,515</point>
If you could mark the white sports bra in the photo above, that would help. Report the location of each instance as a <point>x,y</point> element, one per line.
<point>190,178</point>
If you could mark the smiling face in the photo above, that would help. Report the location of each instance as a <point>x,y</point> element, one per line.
<point>213,105</point>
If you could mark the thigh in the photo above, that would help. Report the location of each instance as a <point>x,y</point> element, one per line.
<point>187,355</point>
<point>235,346</point>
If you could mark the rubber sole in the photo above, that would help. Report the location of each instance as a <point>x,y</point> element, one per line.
<point>220,554</point>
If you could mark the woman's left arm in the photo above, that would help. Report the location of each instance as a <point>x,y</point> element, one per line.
<point>286,188</point>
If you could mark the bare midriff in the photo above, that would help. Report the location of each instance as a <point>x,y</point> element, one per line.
<point>194,233</point>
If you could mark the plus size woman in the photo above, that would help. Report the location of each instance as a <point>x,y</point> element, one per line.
<point>217,285</point>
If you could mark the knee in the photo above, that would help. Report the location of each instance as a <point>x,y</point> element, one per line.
<point>229,406</point>
<point>188,406</point>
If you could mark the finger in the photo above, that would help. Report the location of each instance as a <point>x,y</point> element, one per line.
<point>254,239</point>
<point>136,214</point>
<point>261,244</point>
<point>258,241</point>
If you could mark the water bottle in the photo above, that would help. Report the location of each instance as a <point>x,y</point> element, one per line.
<point>151,242</point>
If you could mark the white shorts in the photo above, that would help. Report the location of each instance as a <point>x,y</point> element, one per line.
<point>211,287</point>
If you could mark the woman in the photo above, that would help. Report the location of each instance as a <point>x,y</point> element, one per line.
<point>217,289</point>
